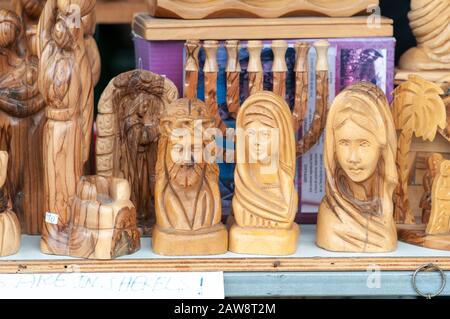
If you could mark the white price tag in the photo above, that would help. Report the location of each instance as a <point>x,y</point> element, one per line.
<point>169,285</point>
<point>51,218</point>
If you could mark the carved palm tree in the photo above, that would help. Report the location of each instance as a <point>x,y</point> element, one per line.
<point>418,109</point>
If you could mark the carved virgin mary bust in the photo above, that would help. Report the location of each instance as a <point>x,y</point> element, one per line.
<point>265,198</point>
<point>356,215</point>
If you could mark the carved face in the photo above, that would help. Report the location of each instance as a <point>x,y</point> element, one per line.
<point>185,161</point>
<point>357,151</point>
<point>259,141</point>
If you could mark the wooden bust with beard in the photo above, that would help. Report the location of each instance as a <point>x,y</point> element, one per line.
<point>187,197</point>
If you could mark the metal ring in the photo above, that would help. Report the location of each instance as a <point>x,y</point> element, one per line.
<point>429,267</point>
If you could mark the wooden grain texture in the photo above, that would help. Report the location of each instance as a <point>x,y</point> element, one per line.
<point>265,198</point>
<point>417,235</point>
<point>233,71</point>
<point>191,68</point>
<point>10,234</point>
<point>127,135</point>
<point>279,67</point>
<point>247,29</point>
<point>285,264</point>
<point>102,224</point>
<point>201,9</point>
<point>430,23</point>
<point>254,68</point>
<point>439,223</point>
<point>433,164</point>
<point>418,110</point>
<point>301,84</point>
<point>66,83</point>
<point>22,116</point>
<point>356,214</point>
<point>188,204</point>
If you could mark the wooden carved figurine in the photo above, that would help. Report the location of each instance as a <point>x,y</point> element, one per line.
<point>66,83</point>
<point>433,163</point>
<point>22,118</point>
<point>188,204</point>
<point>430,23</point>
<point>201,9</point>
<point>102,222</point>
<point>418,110</point>
<point>265,198</point>
<point>440,202</point>
<point>356,214</point>
<point>127,135</point>
<point>9,224</point>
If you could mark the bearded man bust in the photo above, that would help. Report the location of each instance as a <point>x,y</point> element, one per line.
<point>187,197</point>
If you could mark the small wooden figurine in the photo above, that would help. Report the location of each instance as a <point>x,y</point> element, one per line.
<point>433,163</point>
<point>430,23</point>
<point>201,9</point>
<point>22,118</point>
<point>265,198</point>
<point>418,110</point>
<point>356,214</point>
<point>67,84</point>
<point>9,224</point>
<point>102,222</point>
<point>188,204</point>
<point>128,130</point>
<point>439,223</point>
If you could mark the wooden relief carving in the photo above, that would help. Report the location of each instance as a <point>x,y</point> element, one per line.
<point>9,224</point>
<point>265,198</point>
<point>102,223</point>
<point>66,83</point>
<point>128,131</point>
<point>22,116</point>
<point>430,23</point>
<point>418,109</point>
<point>433,165</point>
<point>200,9</point>
<point>188,204</point>
<point>356,214</point>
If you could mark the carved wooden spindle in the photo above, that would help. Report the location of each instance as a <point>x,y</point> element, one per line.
<point>301,84</point>
<point>192,48</point>
<point>211,69</point>
<point>318,124</point>
<point>279,67</point>
<point>233,71</point>
<point>255,68</point>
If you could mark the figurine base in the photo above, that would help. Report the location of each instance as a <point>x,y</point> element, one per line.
<point>416,235</point>
<point>439,77</point>
<point>264,241</point>
<point>210,241</point>
<point>92,244</point>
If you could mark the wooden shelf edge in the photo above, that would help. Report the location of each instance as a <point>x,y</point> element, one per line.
<point>223,264</point>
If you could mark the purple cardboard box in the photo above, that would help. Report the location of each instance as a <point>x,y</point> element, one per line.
<point>350,60</point>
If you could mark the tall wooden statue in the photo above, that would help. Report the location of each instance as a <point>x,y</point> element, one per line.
<point>128,130</point>
<point>430,23</point>
<point>22,117</point>
<point>188,205</point>
<point>265,198</point>
<point>356,214</point>
<point>433,165</point>
<point>9,224</point>
<point>66,82</point>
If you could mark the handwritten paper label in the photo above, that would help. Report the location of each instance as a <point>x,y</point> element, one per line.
<point>51,218</point>
<point>188,285</point>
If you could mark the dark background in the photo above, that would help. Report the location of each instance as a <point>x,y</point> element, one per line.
<point>117,52</point>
